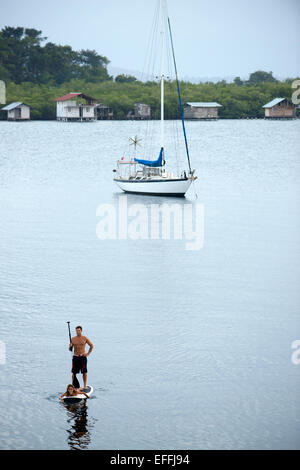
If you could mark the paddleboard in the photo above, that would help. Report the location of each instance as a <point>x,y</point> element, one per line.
<point>79,397</point>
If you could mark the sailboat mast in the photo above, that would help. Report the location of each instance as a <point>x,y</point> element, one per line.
<point>162,72</point>
<point>179,98</point>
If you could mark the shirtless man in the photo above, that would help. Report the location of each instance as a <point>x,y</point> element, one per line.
<point>79,363</point>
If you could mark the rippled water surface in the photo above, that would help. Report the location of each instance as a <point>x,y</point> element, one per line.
<point>192,348</point>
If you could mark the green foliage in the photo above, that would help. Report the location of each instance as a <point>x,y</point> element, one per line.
<point>125,78</point>
<point>24,59</point>
<point>238,81</point>
<point>256,78</point>
<point>261,76</point>
<point>237,101</point>
<point>36,74</point>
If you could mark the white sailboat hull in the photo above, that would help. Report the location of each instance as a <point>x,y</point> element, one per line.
<point>169,187</point>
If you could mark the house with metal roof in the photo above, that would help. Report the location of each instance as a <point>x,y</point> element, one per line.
<point>76,107</point>
<point>104,112</point>
<point>201,110</point>
<point>280,108</point>
<point>17,111</point>
<point>140,111</point>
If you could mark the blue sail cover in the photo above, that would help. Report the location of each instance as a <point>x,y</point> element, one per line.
<point>158,162</point>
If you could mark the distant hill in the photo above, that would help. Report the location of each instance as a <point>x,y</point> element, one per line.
<point>115,71</point>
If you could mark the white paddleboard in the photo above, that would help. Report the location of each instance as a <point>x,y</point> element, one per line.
<point>79,397</point>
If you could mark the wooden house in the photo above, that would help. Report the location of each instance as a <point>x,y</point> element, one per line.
<point>71,108</point>
<point>140,111</point>
<point>104,112</point>
<point>17,111</point>
<point>280,108</point>
<point>201,110</point>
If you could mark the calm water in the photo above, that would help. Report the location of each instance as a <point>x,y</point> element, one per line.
<point>192,348</point>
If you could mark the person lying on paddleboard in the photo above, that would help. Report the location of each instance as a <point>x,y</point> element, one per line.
<point>73,392</point>
<point>79,363</point>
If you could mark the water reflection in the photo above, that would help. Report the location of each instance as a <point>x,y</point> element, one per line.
<point>79,432</point>
<point>152,217</point>
<point>147,200</point>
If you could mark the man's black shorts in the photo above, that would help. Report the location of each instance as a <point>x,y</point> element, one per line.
<point>79,364</point>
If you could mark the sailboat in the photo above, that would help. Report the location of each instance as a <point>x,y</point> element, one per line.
<point>145,176</point>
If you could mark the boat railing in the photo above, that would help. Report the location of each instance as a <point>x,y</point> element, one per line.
<point>127,169</point>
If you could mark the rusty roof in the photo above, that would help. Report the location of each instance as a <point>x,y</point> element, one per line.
<point>69,96</point>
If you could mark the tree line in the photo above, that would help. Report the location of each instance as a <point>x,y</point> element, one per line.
<point>23,58</point>
<point>237,101</point>
<point>36,74</point>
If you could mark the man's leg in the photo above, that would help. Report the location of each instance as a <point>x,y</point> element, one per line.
<point>84,370</point>
<point>75,371</point>
<point>84,379</point>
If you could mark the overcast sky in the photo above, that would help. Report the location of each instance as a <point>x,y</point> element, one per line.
<point>213,38</point>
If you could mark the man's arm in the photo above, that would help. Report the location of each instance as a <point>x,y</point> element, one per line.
<point>90,345</point>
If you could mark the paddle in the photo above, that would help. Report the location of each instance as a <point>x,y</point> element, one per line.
<point>75,380</point>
